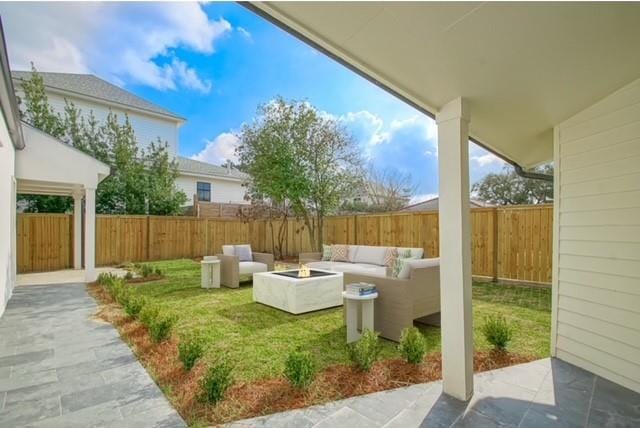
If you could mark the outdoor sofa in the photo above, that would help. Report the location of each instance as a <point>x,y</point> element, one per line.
<point>400,300</point>
<point>238,261</point>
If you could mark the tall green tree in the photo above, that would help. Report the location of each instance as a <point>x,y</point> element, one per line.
<point>296,155</point>
<point>508,188</point>
<point>141,181</point>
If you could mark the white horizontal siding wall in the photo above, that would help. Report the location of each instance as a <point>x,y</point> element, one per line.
<point>596,285</point>
<point>147,128</point>
<point>223,191</point>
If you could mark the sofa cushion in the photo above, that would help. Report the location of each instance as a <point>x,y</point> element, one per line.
<point>340,253</point>
<point>327,250</point>
<point>390,256</point>
<point>243,252</point>
<point>402,268</point>
<point>370,254</point>
<point>227,250</point>
<point>368,269</point>
<point>252,267</point>
<point>424,263</point>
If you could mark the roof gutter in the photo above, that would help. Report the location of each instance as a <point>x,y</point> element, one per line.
<point>295,33</point>
<point>8,98</point>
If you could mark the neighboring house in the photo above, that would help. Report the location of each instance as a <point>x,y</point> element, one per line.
<point>432,205</point>
<point>149,121</point>
<point>373,194</point>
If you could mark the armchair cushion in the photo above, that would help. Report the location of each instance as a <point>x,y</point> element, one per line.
<point>227,250</point>
<point>243,252</point>
<point>252,267</point>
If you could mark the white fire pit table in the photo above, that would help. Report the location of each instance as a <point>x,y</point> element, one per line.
<point>286,291</point>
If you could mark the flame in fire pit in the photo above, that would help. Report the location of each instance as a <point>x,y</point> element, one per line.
<point>304,271</point>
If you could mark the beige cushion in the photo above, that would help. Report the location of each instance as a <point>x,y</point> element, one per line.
<point>371,255</point>
<point>353,252</point>
<point>252,267</point>
<point>340,253</point>
<point>227,250</point>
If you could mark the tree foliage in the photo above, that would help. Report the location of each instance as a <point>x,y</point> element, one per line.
<point>382,190</point>
<point>297,155</point>
<point>508,188</point>
<point>141,182</point>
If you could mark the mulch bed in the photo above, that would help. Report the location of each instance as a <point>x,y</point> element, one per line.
<point>261,397</point>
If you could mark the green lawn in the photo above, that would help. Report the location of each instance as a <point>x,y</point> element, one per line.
<point>256,338</point>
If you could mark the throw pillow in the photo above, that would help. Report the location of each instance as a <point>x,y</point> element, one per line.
<point>340,253</point>
<point>404,253</point>
<point>326,253</point>
<point>390,257</point>
<point>243,252</point>
<point>402,268</point>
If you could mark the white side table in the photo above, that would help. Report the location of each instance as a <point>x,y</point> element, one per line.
<point>366,309</point>
<point>210,272</point>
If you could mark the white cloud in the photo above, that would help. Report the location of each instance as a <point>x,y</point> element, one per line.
<point>245,33</point>
<point>487,159</point>
<point>219,150</point>
<point>122,42</point>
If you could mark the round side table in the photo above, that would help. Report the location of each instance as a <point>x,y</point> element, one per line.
<point>365,304</point>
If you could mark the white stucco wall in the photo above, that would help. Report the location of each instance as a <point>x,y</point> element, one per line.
<point>221,190</point>
<point>7,215</point>
<point>596,283</point>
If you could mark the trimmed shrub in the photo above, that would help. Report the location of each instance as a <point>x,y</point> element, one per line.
<point>134,305</point>
<point>413,345</point>
<point>300,369</point>
<point>128,275</point>
<point>190,350</point>
<point>158,271</point>
<point>148,314</point>
<point>365,351</point>
<point>497,331</point>
<point>216,381</point>
<point>160,327</point>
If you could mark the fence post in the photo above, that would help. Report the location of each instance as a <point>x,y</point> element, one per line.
<point>148,249</point>
<point>495,248</point>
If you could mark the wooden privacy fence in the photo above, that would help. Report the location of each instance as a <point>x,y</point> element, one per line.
<point>511,243</point>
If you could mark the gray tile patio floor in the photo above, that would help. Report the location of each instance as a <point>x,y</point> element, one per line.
<point>544,393</point>
<point>60,368</point>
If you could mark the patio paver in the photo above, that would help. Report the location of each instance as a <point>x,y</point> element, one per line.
<point>61,368</point>
<point>546,392</point>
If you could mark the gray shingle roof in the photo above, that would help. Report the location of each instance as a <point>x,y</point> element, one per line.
<point>191,166</point>
<point>92,86</point>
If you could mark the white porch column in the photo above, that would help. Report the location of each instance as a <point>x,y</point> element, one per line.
<point>77,230</point>
<point>90,235</point>
<point>455,250</point>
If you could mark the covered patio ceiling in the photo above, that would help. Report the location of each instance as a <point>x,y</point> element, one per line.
<point>523,67</point>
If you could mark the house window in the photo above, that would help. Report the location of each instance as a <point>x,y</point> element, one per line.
<point>204,191</point>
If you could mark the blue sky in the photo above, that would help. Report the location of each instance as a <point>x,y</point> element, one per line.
<point>214,63</point>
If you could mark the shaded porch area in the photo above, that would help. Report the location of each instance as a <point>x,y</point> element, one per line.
<point>547,392</point>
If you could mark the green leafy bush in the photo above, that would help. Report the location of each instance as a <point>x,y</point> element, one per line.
<point>128,275</point>
<point>413,345</point>
<point>146,270</point>
<point>134,305</point>
<point>365,351</point>
<point>148,314</point>
<point>190,349</point>
<point>160,327</point>
<point>300,369</point>
<point>158,271</point>
<point>216,381</point>
<point>497,331</point>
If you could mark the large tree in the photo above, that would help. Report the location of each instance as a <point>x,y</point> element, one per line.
<point>508,188</point>
<point>382,190</point>
<point>141,182</point>
<point>294,154</point>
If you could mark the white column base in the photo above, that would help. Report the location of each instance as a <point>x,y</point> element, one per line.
<point>90,235</point>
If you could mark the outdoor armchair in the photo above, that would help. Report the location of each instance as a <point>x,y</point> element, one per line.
<point>232,269</point>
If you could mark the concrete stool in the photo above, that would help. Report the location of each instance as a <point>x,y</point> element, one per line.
<point>210,272</point>
<point>366,310</point>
